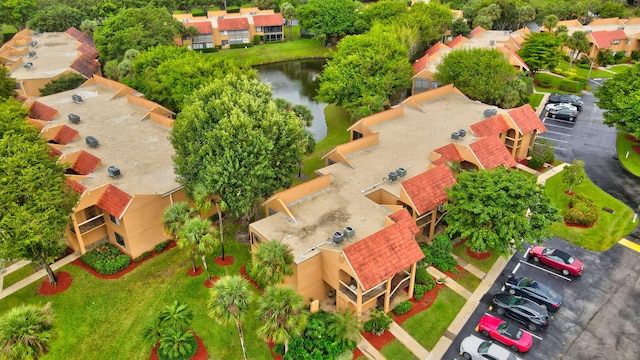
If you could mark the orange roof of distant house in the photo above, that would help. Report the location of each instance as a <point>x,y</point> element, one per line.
<point>403,216</point>
<point>478,30</point>
<point>41,111</point>
<point>383,254</point>
<point>204,27</point>
<point>420,64</point>
<point>85,163</point>
<point>607,21</point>
<point>233,24</point>
<point>53,151</point>
<point>73,32</point>
<point>491,153</point>
<point>448,152</point>
<point>114,201</point>
<point>76,186</point>
<point>65,135</point>
<point>88,50</point>
<point>526,119</point>
<point>457,41</point>
<point>493,125</point>
<point>604,39</point>
<point>85,65</point>
<point>268,20</point>
<point>427,190</point>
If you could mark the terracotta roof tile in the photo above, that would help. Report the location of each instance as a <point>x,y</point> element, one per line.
<point>85,39</point>
<point>53,152</point>
<point>65,135</point>
<point>448,152</point>
<point>476,31</point>
<point>383,254</point>
<point>85,163</point>
<point>76,186</point>
<point>268,20</point>
<point>492,153</point>
<point>604,39</point>
<point>403,216</point>
<point>88,50</point>
<point>41,111</point>
<point>85,65</point>
<point>493,125</point>
<point>526,119</point>
<point>233,24</point>
<point>420,64</point>
<point>427,190</point>
<point>73,32</point>
<point>204,27</point>
<point>114,201</point>
<point>457,41</point>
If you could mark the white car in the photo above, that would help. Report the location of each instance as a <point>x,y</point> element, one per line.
<point>475,348</point>
<point>561,106</point>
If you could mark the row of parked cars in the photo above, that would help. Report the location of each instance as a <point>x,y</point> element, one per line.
<point>563,106</point>
<point>524,300</point>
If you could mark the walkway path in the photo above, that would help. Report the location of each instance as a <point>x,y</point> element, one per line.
<point>470,267</point>
<point>34,277</point>
<point>408,341</point>
<point>368,350</point>
<point>450,283</point>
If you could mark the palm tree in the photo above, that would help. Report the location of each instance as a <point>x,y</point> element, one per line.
<point>345,328</point>
<point>550,22</point>
<point>176,316</point>
<point>304,113</point>
<point>203,203</point>
<point>195,236</point>
<point>230,300</point>
<point>175,217</point>
<point>176,344</point>
<point>191,32</point>
<point>288,13</point>
<point>25,332</point>
<point>579,43</point>
<point>282,312</point>
<point>272,261</point>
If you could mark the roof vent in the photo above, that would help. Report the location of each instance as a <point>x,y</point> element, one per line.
<point>113,171</point>
<point>393,176</point>
<point>492,42</point>
<point>36,32</point>
<point>349,231</point>
<point>620,27</point>
<point>588,31</point>
<point>28,66</point>
<point>32,53</point>
<point>489,112</point>
<point>338,237</point>
<point>455,135</point>
<point>76,99</point>
<point>33,43</point>
<point>74,118</point>
<point>92,142</point>
<point>462,132</point>
<point>401,171</point>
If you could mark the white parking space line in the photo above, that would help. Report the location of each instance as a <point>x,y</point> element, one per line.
<point>559,126</point>
<point>560,120</point>
<point>515,269</point>
<point>543,269</point>
<point>534,335</point>
<point>558,133</point>
<point>551,139</point>
<point>526,253</point>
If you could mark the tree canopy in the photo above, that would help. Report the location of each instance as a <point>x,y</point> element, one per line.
<point>63,83</point>
<point>232,139</point>
<point>498,210</point>
<point>56,17</point>
<point>541,51</point>
<point>328,19</point>
<point>35,199</point>
<point>618,96</point>
<point>485,75</point>
<point>26,332</point>
<point>17,12</point>
<point>7,84</point>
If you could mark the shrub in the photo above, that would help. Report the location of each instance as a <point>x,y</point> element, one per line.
<point>143,256</point>
<point>63,83</point>
<point>106,259</point>
<point>557,71</point>
<point>422,276</point>
<point>441,253</point>
<point>161,246</point>
<point>420,289</point>
<point>177,345</point>
<point>584,66</point>
<point>256,39</point>
<point>535,163</point>
<point>569,85</point>
<point>541,153</point>
<point>427,261</point>
<point>378,323</point>
<point>208,50</point>
<point>545,81</point>
<point>198,12</point>
<point>635,54</point>
<point>403,308</point>
<point>240,46</point>
<point>233,9</point>
<point>583,211</point>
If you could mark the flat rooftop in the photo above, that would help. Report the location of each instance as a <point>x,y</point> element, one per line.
<point>139,147</point>
<point>55,52</point>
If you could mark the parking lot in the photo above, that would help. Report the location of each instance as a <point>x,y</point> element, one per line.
<point>599,316</point>
<point>558,131</point>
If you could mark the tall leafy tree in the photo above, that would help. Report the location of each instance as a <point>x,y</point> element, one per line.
<point>432,20</point>
<point>230,301</point>
<point>282,313</point>
<point>345,327</point>
<point>288,12</point>
<point>56,17</point>
<point>579,43</point>
<point>17,12</point>
<point>236,142</point>
<point>7,84</point>
<point>618,96</point>
<point>35,200</point>
<point>198,240</point>
<point>498,210</point>
<point>541,51</point>
<point>550,22</point>
<point>63,83</point>
<point>328,19</point>
<point>26,332</point>
<point>272,262</point>
<point>574,174</point>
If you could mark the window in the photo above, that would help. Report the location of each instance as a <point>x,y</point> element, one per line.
<point>17,86</point>
<point>434,84</point>
<point>119,239</point>
<point>225,42</point>
<point>259,29</point>
<point>114,220</point>
<point>421,85</point>
<point>91,212</point>
<point>224,33</point>
<point>616,42</point>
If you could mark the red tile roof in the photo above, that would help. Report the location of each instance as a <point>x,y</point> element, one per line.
<point>85,39</point>
<point>76,186</point>
<point>494,125</point>
<point>88,50</point>
<point>604,39</point>
<point>420,64</point>
<point>53,152</point>
<point>526,119</point>
<point>403,216</point>
<point>492,153</point>
<point>233,24</point>
<point>476,31</point>
<point>204,27</point>
<point>268,20</point>
<point>41,111</point>
<point>381,255</point>
<point>85,163</point>
<point>448,152</point>
<point>85,65</point>
<point>65,135</point>
<point>73,32</point>
<point>427,190</point>
<point>457,41</point>
<point>114,201</point>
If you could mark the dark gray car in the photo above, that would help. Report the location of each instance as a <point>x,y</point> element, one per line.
<point>531,289</point>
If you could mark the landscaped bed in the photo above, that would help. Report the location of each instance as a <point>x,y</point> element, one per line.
<point>460,249</point>
<point>626,144</point>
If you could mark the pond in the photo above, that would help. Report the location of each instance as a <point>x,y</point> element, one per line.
<point>297,82</point>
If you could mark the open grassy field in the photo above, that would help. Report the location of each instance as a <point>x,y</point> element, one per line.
<point>395,350</point>
<point>624,147</point>
<point>269,53</point>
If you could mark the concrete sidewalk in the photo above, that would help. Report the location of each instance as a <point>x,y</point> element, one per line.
<point>450,283</point>
<point>408,341</point>
<point>368,350</point>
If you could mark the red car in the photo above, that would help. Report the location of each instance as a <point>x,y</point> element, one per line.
<point>557,259</point>
<point>505,332</point>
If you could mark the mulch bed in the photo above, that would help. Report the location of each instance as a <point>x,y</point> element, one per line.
<point>243,272</point>
<point>419,306</point>
<point>378,341</point>
<point>357,353</point>
<point>194,273</point>
<point>570,193</point>
<point>525,162</point>
<point>64,281</point>
<point>478,255</point>
<point>201,354</point>
<point>133,265</point>
<point>452,275</point>
<point>228,260</point>
<point>579,225</point>
<point>636,149</point>
<point>210,283</point>
<point>273,354</point>
<point>632,139</point>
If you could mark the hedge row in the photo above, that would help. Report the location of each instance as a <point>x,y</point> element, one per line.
<point>106,259</point>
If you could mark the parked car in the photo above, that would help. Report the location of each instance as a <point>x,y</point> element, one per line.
<point>557,259</point>
<point>507,333</point>
<point>531,289</point>
<point>560,106</point>
<point>566,98</point>
<point>475,348</point>
<point>562,111</point>
<point>521,309</point>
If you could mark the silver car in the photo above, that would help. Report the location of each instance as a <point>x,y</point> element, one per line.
<point>475,348</point>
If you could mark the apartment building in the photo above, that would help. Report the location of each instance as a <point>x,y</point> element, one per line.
<point>609,34</point>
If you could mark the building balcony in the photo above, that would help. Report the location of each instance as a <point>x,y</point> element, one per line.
<point>91,224</point>
<point>352,292</point>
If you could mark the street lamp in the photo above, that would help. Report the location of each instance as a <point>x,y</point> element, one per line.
<point>590,68</point>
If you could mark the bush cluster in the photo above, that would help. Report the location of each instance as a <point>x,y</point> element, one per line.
<point>438,254</point>
<point>541,153</point>
<point>161,246</point>
<point>544,80</point>
<point>378,323</point>
<point>106,259</point>
<point>256,39</point>
<point>143,256</point>
<point>403,308</point>
<point>316,341</point>
<point>169,329</point>
<point>569,86</point>
<point>240,46</point>
<point>583,210</point>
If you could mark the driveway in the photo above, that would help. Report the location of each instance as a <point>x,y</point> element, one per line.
<point>599,317</point>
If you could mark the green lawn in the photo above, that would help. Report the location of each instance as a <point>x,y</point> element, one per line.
<point>555,83</point>
<point>484,265</point>
<point>104,319</point>
<point>624,146</point>
<point>619,69</point>
<point>395,350</point>
<point>268,53</point>
<point>467,280</point>
<point>608,229</point>
<point>585,72</point>
<point>429,325</point>
<point>535,100</point>
<point>15,276</point>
